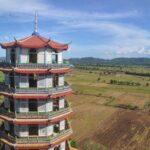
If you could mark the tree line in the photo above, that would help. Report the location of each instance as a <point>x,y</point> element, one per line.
<point>124,83</point>
<point>138,74</point>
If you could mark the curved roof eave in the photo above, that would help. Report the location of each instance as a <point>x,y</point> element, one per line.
<point>35,41</point>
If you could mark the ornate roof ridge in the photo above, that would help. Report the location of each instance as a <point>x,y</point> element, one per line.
<point>35,41</point>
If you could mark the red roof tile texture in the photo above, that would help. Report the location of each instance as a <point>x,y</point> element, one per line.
<point>36,41</point>
<point>36,71</point>
<point>36,96</point>
<point>36,121</point>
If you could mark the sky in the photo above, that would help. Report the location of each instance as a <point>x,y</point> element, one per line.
<point>94,28</point>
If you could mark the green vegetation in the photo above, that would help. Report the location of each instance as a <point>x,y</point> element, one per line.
<point>125,83</point>
<point>101,95</point>
<point>73,144</point>
<point>1,77</point>
<point>1,80</point>
<point>118,89</point>
<point>127,106</point>
<point>89,145</point>
<point>147,105</point>
<point>138,74</point>
<point>112,62</point>
<point>104,76</point>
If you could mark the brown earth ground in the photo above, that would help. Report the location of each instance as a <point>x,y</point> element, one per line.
<point>124,130</point>
<point>108,127</point>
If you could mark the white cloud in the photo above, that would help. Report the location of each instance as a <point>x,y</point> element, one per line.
<point>126,39</point>
<point>22,6</point>
<point>49,10</point>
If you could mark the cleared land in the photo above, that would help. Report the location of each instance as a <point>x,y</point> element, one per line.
<point>100,121</point>
<point>125,130</point>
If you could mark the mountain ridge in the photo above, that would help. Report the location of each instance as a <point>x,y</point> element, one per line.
<point>115,61</point>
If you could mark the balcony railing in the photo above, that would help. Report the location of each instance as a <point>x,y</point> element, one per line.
<point>5,112</point>
<point>53,65</point>
<point>28,90</point>
<point>36,114</point>
<point>49,139</point>
<point>43,115</point>
<point>37,139</point>
<point>41,90</point>
<point>35,65</point>
<point>61,134</point>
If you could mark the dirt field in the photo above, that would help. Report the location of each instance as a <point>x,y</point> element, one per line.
<point>99,125</point>
<point>109,127</point>
<point>84,113</point>
<point>125,130</point>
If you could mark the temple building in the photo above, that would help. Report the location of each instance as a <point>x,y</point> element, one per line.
<point>35,110</point>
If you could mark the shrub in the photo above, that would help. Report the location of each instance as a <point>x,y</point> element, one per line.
<point>124,83</point>
<point>127,106</point>
<point>100,94</point>
<point>147,105</point>
<point>73,143</point>
<point>109,101</point>
<point>147,84</point>
<point>98,79</point>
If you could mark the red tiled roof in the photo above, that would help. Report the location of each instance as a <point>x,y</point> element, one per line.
<point>36,121</point>
<point>41,145</point>
<point>36,96</point>
<point>37,71</point>
<point>36,41</point>
<point>42,71</point>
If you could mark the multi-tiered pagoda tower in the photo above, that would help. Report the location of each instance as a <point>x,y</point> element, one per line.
<point>35,110</point>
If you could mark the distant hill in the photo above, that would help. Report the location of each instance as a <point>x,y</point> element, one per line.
<point>115,61</point>
<point>98,61</point>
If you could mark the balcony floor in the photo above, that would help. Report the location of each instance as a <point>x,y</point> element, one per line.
<point>39,142</point>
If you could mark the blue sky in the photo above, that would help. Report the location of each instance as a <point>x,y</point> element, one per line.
<point>97,28</point>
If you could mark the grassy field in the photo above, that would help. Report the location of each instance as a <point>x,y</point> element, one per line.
<point>100,121</point>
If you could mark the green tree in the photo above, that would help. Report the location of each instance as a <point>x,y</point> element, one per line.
<point>73,143</point>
